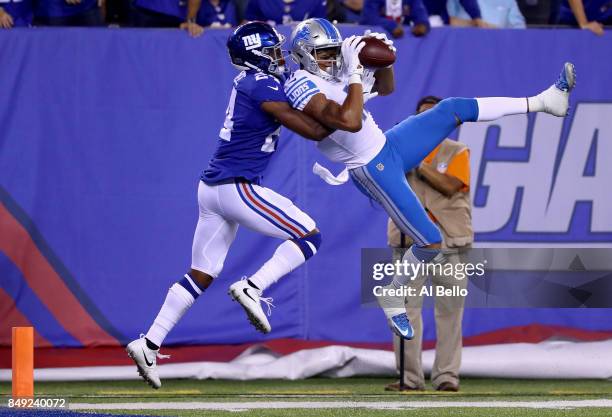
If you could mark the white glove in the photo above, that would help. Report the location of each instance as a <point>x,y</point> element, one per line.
<point>367,81</point>
<point>381,36</point>
<point>350,58</point>
<point>369,96</point>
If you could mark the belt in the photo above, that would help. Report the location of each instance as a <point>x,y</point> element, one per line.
<point>232,180</point>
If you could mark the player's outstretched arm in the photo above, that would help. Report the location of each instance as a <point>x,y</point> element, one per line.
<point>300,123</point>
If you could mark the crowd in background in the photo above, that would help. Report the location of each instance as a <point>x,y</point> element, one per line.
<point>398,17</point>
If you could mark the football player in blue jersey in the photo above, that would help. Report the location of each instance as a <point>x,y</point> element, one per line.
<point>330,87</point>
<point>230,193</point>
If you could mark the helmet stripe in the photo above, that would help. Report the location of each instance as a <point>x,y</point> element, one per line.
<point>329,29</point>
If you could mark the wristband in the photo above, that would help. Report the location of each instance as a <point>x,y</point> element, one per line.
<point>355,78</point>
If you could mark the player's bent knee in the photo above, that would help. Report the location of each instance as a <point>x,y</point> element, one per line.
<point>309,244</point>
<point>201,279</point>
<point>462,109</point>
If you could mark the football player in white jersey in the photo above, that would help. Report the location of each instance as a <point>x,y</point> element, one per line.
<point>331,86</point>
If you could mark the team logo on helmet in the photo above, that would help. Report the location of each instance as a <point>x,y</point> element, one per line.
<point>252,41</point>
<point>256,46</point>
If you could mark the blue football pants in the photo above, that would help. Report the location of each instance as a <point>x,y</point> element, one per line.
<point>408,143</point>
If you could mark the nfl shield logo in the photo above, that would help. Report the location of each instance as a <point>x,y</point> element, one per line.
<point>380,166</point>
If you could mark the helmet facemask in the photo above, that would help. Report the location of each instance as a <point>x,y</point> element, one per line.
<point>315,46</point>
<point>277,58</point>
<point>329,60</point>
<point>313,58</point>
<point>268,59</point>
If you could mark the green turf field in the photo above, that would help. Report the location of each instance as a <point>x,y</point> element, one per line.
<point>348,395</point>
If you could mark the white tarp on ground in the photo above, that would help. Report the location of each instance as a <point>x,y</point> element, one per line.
<point>557,359</point>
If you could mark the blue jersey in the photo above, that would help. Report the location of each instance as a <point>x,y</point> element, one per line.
<point>249,134</point>
<point>20,11</point>
<point>176,8</point>
<point>222,14</point>
<point>375,13</point>
<point>59,8</point>
<point>440,8</point>
<point>599,10</point>
<point>285,12</point>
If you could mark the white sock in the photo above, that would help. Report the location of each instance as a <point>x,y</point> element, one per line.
<point>286,258</point>
<point>415,256</point>
<point>176,304</point>
<point>491,108</point>
<point>535,104</point>
<point>401,280</point>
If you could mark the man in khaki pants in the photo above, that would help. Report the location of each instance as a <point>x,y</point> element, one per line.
<point>442,185</point>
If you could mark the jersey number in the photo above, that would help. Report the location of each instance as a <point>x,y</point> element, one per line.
<point>270,143</point>
<point>228,123</point>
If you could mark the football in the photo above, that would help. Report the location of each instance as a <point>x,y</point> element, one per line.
<point>376,54</point>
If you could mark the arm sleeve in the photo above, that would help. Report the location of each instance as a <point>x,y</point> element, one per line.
<point>418,12</point>
<point>370,15</point>
<point>230,14</point>
<point>299,91</point>
<point>267,88</point>
<point>253,12</point>
<point>472,8</point>
<point>459,167</point>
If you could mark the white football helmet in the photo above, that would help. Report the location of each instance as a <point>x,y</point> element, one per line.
<point>313,35</point>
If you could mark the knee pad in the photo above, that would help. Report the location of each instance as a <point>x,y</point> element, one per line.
<point>309,245</point>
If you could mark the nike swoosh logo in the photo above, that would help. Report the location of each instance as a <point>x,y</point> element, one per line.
<point>149,364</point>
<point>273,88</point>
<point>244,290</point>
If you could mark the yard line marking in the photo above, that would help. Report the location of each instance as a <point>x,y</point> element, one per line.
<point>397,405</point>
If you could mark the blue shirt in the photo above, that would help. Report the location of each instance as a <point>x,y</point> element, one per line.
<point>176,8</point>
<point>59,8</point>
<point>279,12</point>
<point>20,11</point>
<point>350,15</point>
<point>501,13</point>
<point>223,14</point>
<point>248,137</point>
<point>599,10</point>
<point>439,7</point>
<point>373,13</point>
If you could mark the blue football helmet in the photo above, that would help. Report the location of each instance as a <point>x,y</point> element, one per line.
<point>257,46</point>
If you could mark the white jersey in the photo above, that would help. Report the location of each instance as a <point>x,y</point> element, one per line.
<point>352,149</point>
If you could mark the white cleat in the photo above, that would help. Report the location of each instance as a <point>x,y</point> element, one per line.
<point>555,100</point>
<point>250,299</point>
<point>146,360</point>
